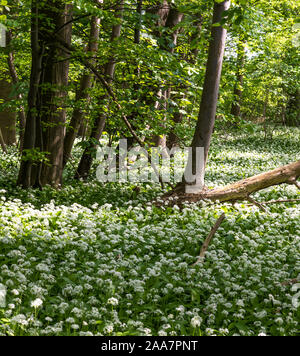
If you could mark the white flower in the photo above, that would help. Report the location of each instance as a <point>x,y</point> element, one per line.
<point>20,319</point>
<point>180,309</point>
<point>147,331</point>
<point>279,321</point>
<point>15,292</point>
<point>262,334</point>
<point>261,315</point>
<point>196,321</point>
<point>70,320</point>
<point>240,303</point>
<point>162,333</point>
<point>108,329</point>
<point>36,303</point>
<point>113,301</point>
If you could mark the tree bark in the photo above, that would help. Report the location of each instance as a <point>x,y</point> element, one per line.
<point>172,139</point>
<point>53,93</point>
<point>208,106</point>
<point>293,109</point>
<point>24,177</point>
<point>238,89</point>
<point>137,30</point>
<point>2,143</point>
<point>168,43</point>
<point>82,95</point>
<point>16,82</point>
<point>45,122</point>
<point>7,117</point>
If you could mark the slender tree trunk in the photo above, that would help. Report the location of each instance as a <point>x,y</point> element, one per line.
<point>7,117</point>
<point>172,139</point>
<point>208,106</point>
<point>2,143</point>
<point>195,38</point>
<point>86,161</point>
<point>238,89</point>
<point>170,20</point>
<point>15,81</point>
<point>24,177</point>
<point>137,30</point>
<point>265,109</point>
<point>82,95</point>
<point>293,109</point>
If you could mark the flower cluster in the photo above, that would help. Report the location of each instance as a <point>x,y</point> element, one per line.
<point>125,267</point>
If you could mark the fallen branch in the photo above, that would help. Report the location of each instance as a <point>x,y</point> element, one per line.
<point>208,239</point>
<point>242,189</point>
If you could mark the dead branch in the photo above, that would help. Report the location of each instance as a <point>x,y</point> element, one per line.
<point>290,282</point>
<point>279,201</point>
<point>242,189</point>
<point>208,239</point>
<point>253,201</point>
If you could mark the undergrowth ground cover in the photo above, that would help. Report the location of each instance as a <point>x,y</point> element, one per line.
<point>74,264</point>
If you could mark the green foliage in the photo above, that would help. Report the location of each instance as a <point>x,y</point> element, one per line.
<point>35,155</point>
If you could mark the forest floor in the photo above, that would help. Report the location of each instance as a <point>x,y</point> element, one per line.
<point>95,259</point>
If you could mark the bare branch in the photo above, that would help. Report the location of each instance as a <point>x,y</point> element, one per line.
<point>209,238</point>
<point>257,204</point>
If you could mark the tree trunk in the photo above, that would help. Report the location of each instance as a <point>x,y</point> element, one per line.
<point>7,117</point>
<point>24,178</point>
<point>16,82</point>
<point>45,120</point>
<point>137,30</point>
<point>82,95</point>
<point>168,43</point>
<point>53,94</point>
<point>86,161</point>
<point>208,106</point>
<point>293,109</point>
<point>172,139</point>
<point>137,40</point>
<point>2,143</point>
<point>238,89</point>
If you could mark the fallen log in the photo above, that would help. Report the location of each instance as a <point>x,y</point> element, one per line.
<point>242,189</point>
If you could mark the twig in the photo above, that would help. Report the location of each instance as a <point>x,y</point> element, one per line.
<point>208,239</point>
<point>280,201</point>
<point>257,204</point>
<point>291,281</point>
<point>297,184</point>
